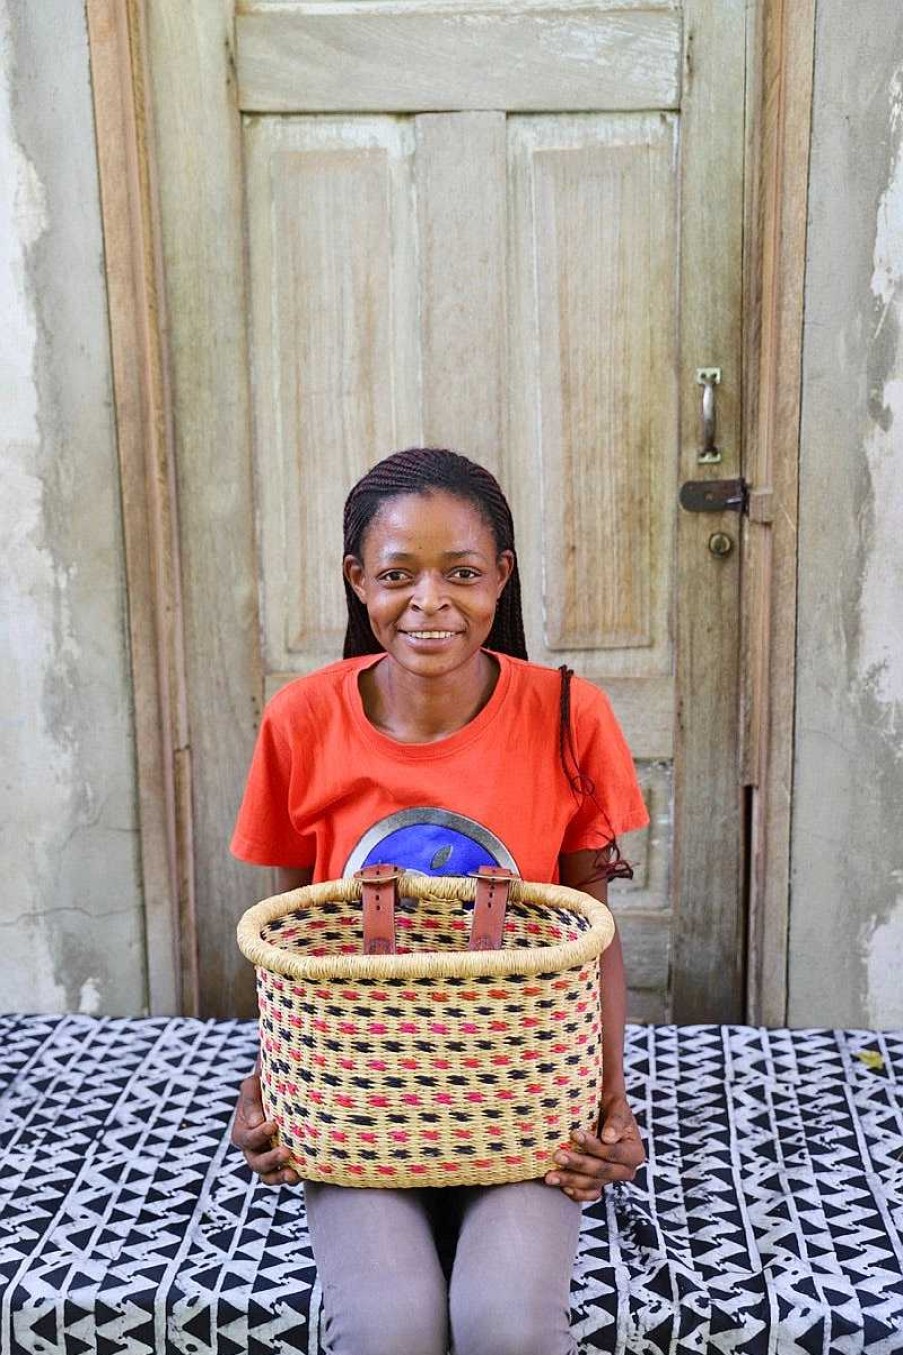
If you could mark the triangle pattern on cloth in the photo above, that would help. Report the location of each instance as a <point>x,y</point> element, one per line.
<point>767,1220</point>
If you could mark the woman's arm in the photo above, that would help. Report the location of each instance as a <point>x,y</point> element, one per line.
<point>617,1151</point>
<point>251,1131</point>
<point>292,878</point>
<point>577,871</point>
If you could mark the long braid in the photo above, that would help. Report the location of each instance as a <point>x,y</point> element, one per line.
<point>420,470</point>
<point>608,863</point>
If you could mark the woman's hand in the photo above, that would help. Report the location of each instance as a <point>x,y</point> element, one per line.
<point>253,1134</point>
<point>594,1163</point>
<point>251,1131</point>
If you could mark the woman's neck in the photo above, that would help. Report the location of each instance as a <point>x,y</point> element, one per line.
<point>415,709</point>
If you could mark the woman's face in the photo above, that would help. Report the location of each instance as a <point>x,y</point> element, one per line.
<point>430,578</point>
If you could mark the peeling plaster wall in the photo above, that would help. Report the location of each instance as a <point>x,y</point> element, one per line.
<point>71,922</point>
<point>846,936</point>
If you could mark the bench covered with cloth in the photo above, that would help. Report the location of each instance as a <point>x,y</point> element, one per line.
<point>769,1217</point>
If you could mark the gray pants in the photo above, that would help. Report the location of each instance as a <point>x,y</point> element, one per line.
<point>404,1270</point>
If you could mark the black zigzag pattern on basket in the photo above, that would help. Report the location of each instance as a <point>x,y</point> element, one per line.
<point>423,924</point>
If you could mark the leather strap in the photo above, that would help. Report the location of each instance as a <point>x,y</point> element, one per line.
<point>379,893</point>
<point>493,888</point>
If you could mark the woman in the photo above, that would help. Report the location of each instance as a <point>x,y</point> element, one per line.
<point>436,745</point>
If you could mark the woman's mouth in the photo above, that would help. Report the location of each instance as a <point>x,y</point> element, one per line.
<point>430,634</point>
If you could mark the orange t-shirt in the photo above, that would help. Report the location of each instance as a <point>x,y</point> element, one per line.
<point>327,789</point>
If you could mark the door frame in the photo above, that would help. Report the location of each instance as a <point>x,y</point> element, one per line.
<point>133,268</point>
<point>782,56</point>
<point>179,708</point>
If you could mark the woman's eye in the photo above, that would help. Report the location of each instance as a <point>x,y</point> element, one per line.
<point>393,576</point>
<point>464,573</point>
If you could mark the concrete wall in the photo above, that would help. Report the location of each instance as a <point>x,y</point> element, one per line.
<point>71,928</point>
<point>846,956</point>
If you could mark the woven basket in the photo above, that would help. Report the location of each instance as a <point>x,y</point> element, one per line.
<point>435,1065</point>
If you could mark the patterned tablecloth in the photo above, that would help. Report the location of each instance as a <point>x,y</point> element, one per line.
<point>768,1220</point>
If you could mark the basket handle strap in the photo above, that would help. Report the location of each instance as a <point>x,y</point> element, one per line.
<point>493,887</point>
<point>379,893</point>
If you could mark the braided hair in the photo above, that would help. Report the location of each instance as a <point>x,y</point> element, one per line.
<point>424,470</point>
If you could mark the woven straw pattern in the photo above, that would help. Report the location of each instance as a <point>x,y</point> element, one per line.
<point>434,1066</point>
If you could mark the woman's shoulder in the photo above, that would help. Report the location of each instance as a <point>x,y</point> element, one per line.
<point>526,674</point>
<point>307,695</point>
<point>546,683</point>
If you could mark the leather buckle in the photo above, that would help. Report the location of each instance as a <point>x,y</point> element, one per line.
<point>379,895</point>
<point>380,871</point>
<point>493,888</point>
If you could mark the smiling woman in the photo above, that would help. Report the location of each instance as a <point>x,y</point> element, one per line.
<point>430,471</point>
<point>434,745</point>
<point>430,576</point>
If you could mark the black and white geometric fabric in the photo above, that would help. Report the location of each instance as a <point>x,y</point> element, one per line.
<point>768,1221</point>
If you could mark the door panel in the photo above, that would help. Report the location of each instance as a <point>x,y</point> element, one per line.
<point>429,57</point>
<point>491,228</point>
<point>335,351</point>
<point>463,217</point>
<point>595,402</point>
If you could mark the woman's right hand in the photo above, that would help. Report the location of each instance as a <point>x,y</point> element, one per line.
<point>253,1134</point>
<point>251,1131</point>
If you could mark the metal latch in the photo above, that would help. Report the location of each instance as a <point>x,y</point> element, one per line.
<point>727,496</point>
<point>714,496</point>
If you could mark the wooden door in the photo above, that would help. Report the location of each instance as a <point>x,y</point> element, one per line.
<point>510,228</point>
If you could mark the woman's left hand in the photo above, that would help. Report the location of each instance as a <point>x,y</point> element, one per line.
<point>593,1163</point>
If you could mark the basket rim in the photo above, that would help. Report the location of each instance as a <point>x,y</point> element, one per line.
<point>425,964</point>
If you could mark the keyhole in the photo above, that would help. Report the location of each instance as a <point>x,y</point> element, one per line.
<point>720,544</point>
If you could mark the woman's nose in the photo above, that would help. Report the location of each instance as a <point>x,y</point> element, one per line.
<point>428,593</point>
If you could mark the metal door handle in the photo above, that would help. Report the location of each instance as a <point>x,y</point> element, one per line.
<point>708,378</point>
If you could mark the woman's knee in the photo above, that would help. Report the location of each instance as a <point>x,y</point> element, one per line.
<point>491,1328</point>
<point>406,1322</point>
<point>384,1292</point>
